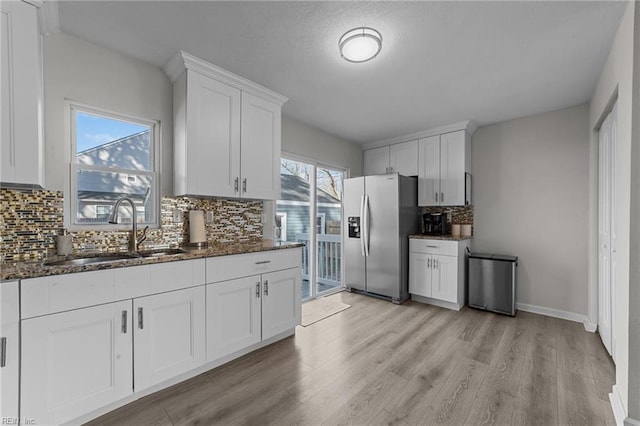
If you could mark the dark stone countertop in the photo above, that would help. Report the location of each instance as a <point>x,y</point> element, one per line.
<point>439,237</point>
<point>23,270</point>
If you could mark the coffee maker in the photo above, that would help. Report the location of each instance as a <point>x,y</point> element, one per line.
<point>435,224</point>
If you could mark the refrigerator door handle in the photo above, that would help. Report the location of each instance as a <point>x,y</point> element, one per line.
<point>366,225</point>
<point>362,232</point>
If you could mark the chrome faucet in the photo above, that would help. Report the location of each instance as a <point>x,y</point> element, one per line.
<point>134,242</point>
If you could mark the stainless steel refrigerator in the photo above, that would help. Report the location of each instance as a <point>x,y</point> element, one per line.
<point>379,213</point>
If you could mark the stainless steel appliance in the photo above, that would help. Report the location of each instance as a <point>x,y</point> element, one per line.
<point>380,212</point>
<point>492,282</point>
<point>435,224</point>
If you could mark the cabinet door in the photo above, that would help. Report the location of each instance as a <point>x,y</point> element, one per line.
<point>403,158</point>
<point>10,350</point>
<point>169,335</point>
<point>419,274</point>
<point>429,171</point>
<point>260,153</point>
<point>212,150</point>
<point>444,275</point>
<point>21,155</point>
<point>452,168</point>
<point>376,161</point>
<point>233,316</point>
<point>75,362</point>
<point>281,302</point>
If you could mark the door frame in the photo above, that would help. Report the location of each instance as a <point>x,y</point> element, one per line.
<point>313,207</point>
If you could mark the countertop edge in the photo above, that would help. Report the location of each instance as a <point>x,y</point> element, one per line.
<point>439,237</point>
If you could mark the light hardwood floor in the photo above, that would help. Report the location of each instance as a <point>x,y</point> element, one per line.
<point>414,364</point>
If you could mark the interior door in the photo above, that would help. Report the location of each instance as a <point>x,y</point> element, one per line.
<point>169,335</point>
<point>429,171</point>
<point>606,234</point>
<point>382,200</point>
<point>355,263</point>
<point>75,362</point>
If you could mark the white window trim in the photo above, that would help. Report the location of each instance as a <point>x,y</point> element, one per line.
<point>70,191</point>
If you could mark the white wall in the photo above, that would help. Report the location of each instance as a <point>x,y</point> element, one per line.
<point>616,78</point>
<point>79,71</point>
<point>530,196</point>
<point>309,142</point>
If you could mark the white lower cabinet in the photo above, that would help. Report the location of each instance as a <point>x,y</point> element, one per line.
<point>233,316</point>
<point>245,311</point>
<point>169,335</point>
<point>9,350</point>
<point>437,271</point>
<point>75,362</point>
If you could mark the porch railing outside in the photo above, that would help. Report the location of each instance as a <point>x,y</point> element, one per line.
<point>329,258</point>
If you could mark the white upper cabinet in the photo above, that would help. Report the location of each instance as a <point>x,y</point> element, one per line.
<point>260,154</point>
<point>376,161</point>
<point>227,132</point>
<point>403,158</point>
<point>21,159</point>
<point>399,158</point>
<point>444,161</point>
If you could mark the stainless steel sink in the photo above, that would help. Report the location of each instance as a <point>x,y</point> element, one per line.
<point>102,258</point>
<point>162,252</point>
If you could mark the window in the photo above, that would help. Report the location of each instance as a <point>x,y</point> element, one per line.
<point>113,156</point>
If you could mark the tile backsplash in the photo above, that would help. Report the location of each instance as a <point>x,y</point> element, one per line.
<point>32,218</point>
<point>462,215</point>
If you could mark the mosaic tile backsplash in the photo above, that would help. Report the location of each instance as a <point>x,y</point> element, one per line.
<point>462,215</point>
<point>31,219</point>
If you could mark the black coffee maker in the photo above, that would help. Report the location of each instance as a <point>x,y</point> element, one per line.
<point>435,224</point>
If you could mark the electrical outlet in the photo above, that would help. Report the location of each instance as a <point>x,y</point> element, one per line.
<point>177,216</point>
<point>209,217</point>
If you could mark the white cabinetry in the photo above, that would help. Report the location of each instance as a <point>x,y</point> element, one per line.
<point>21,159</point>
<point>75,362</point>
<point>246,310</point>
<point>444,161</point>
<point>227,132</point>
<point>437,272</point>
<point>399,158</point>
<point>9,350</point>
<point>169,335</point>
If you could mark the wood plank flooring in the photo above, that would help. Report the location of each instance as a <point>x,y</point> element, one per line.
<point>414,364</point>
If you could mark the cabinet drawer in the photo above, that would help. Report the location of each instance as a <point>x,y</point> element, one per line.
<point>448,248</point>
<point>243,265</point>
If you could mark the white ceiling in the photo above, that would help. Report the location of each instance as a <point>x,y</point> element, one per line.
<point>441,62</point>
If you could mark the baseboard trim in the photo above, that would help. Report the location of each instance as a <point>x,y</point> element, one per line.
<point>557,313</point>
<point>631,422</point>
<point>617,406</point>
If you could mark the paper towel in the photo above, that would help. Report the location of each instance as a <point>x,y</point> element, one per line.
<point>197,233</point>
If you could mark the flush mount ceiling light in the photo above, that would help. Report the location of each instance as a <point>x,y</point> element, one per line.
<point>360,44</point>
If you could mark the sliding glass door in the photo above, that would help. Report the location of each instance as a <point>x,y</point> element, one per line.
<point>310,212</point>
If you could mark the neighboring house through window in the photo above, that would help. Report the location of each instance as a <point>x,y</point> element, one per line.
<point>113,156</point>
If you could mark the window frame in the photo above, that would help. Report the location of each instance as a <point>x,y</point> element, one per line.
<point>71,206</point>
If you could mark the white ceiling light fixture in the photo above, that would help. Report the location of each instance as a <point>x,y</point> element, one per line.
<point>360,44</point>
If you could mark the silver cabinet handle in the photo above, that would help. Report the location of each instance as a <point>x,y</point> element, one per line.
<point>235,187</point>
<point>435,263</point>
<point>442,197</point>
<point>140,319</point>
<point>429,263</point>
<point>436,197</point>
<point>258,290</point>
<point>262,262</point>
<point>3,352</point>
<point>266,287</point>
<point>124,322</point>
<point>428,246</point>
<point>244,185</point>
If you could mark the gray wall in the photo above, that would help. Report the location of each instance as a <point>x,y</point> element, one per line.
<point>309,142</point>
<point>530,195</point>
<point>88,74</point>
